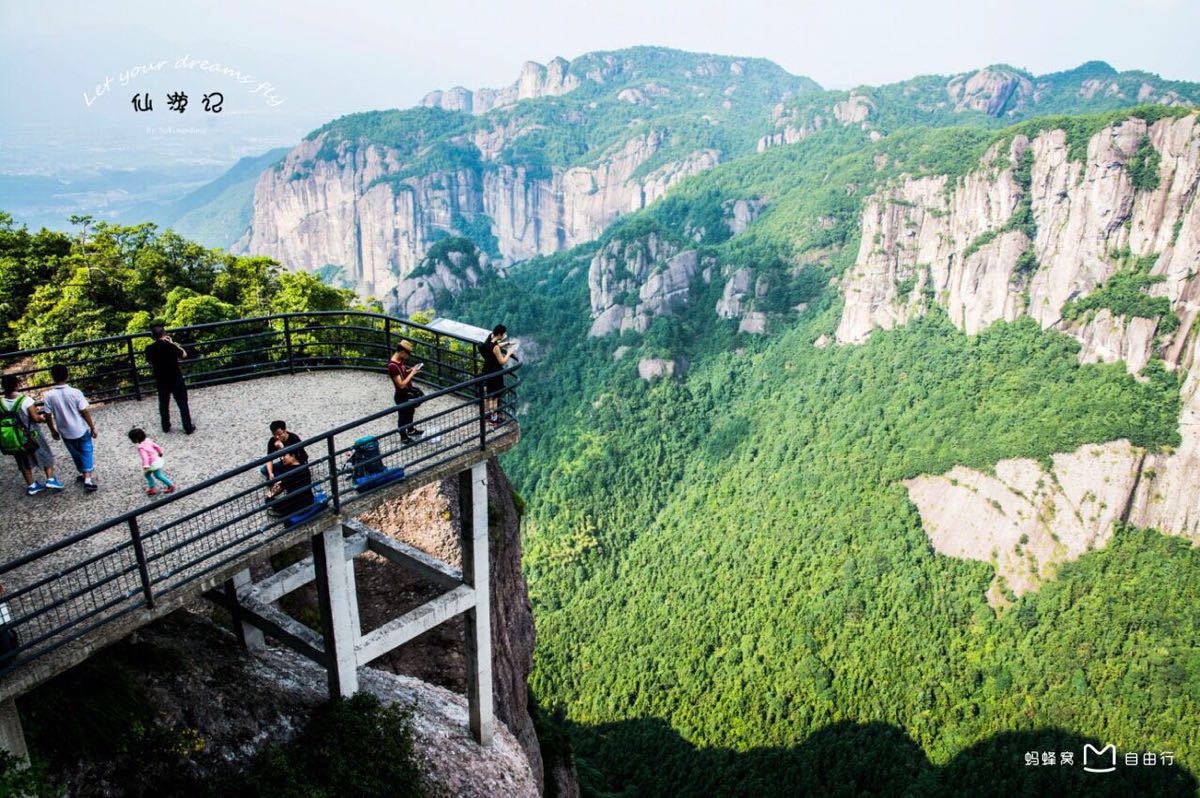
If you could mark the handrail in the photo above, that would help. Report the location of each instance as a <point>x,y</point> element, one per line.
<point>69,593</point>
<point>213,324</point>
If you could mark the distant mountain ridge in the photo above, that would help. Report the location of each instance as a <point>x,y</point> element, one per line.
<point>551,160</point>
<point>996,95</point>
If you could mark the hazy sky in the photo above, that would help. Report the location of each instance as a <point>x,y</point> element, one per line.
<point>324,59</point>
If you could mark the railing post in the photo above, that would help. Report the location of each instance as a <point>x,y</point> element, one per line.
<point>480,389</point>
<point>335,495</point>
<point>287,337</point>
<point>387,333</point>
<point>133,369</point>
<point>140,553</point>
<point>442,360</point>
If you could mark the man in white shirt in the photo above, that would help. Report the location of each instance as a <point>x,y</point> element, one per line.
<point>74,422</point>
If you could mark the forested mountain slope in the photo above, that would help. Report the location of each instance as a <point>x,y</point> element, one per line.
<point>729,578</point>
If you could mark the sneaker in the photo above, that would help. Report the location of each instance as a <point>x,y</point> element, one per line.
<point>416,433</point>
<point>406,439</point>
<point>90,487</point>
<point>54,484</point>
<point>169,489</point>
<point>34,489</point>
<point>188,430</point>
<point>151,491</point>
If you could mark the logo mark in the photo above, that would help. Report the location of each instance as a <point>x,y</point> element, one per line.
<point>1094,760</point>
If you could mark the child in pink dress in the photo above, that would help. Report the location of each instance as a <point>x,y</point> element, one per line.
<point>151,455</point>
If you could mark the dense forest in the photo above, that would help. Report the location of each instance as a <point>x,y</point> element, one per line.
<point>729,580</point>
<point>110,279</point>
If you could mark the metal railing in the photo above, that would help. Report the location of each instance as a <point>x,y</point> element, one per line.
<point>68,589</point>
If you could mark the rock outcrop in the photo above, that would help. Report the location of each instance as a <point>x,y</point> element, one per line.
<point>633,282</point>
<point>926,242</point>
<point>440,273</point>
<point>228,705</point>
<point>955,244</point>
<point>992,91</point>
<point>1026,519</point>
<point>652,368</point>
<point>356,211</point>
<point>552,80</point>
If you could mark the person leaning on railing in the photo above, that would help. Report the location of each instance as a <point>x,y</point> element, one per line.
<point>163,356</point>
<point>402,376</point>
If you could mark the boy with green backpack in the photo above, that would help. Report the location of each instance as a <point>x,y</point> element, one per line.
<point>20,439</point>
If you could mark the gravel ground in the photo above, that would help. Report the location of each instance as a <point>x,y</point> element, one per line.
<point>232,428</point>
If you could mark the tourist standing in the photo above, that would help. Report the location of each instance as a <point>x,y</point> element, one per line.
<point>495,355</point>
<point>164,356</point>
<point>74,423</point>
<point>21,439</point>
<point>402,376</point>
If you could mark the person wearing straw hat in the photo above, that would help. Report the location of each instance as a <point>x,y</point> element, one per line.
<point>402,376</point>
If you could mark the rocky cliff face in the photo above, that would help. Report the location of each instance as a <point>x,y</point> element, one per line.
<point>441,272</point>
<point>956,245</point>
<point>535,81</point>
<point>633,282</point>
<point>350,212</point>
<point>1029,232</point>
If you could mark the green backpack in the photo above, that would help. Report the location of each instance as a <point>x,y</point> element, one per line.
<point>15,437</point>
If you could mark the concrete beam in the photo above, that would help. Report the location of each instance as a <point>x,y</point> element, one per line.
<point>337,617</point>
<point>250,636</point>
<point>280,583</point>
<point>399,631</point>
<point>297,575</point>
<point>473,497</point>
<point>408,557</point>
<point>277,624</point>
<point>12,736</point>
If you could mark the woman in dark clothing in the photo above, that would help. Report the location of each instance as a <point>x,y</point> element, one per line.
<point>292,492</point>
<point>495,358</point>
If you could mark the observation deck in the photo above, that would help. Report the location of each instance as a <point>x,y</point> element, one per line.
<point>81,570</point>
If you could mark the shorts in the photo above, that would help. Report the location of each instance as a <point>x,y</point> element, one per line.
<point>81,451</point>
<point>41,457</point>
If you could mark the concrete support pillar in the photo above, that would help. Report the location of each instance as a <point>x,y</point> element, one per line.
<point>473,512</point>
<point>250,636</point>
<point>12,736</point>
<point>337,615</point>
<point>352,591</point>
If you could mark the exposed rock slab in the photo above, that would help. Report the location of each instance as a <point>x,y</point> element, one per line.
<point>1025,519</point>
